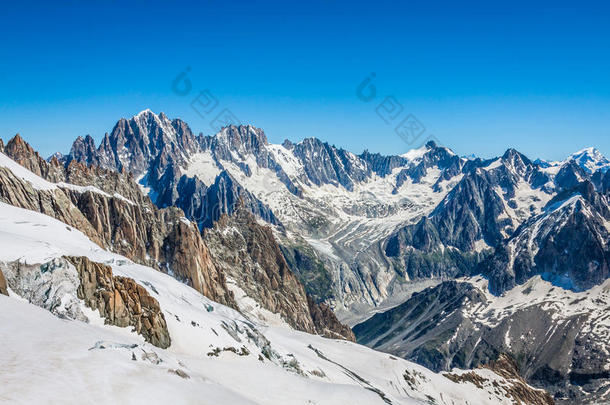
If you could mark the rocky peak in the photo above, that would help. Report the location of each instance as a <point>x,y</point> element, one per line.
<point>135,142</point>
<point>237,144</point>
<point>288,144</point>
<point>516,162</point>
<point>567,244</point>
<point>382,165</point>
<point>83,150</point>
<point>243,137</point>
<point>569,175</point>
<point>21,152</point>
<point>326,164</point>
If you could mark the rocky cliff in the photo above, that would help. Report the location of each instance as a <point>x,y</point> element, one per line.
<point>121,301</point>
<point>248,253</point>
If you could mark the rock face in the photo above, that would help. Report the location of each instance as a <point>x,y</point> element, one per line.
<point>491,200</point>
<point>248,253</point>
<point>417,325</point>
<point>326,322</point>
<point>186,252</point>
<point>121,301</point>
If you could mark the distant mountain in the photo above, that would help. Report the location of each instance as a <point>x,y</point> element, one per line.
<point>364,233</point>
<point>591,160</point>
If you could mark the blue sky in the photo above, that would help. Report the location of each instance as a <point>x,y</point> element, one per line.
<point>479,77</point>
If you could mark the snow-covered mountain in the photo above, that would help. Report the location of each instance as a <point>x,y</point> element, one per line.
<point>298,232</point>
<point>315,194</point>
<point>557,338</point>
<point>82,323</point>
<point>589,159</point>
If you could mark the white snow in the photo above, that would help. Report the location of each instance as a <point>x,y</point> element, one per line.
<point>591,160</point>
<point>24,174</point>
<point>66,363</point>
<point>415,154</point>
<point>203,166</point>
<point>93,189</point>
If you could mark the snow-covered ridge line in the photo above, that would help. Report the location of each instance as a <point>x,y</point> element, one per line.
<point>41,184</point>
<point>36,181</point>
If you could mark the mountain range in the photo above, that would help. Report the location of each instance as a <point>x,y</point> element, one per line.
<point>488,272</point>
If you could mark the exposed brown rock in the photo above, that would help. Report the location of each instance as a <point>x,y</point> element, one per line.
<point>248,253</point>
<point>3,288</point>
<point>506,367</point>
<point>22,153</point>
<point>326,321</point>
<point>517,389</point>
<point>121,301</point>
<point>190,258</point>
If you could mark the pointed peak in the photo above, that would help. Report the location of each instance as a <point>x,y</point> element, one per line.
<point>56,159</point>
<point>17,142</point>
<point>145,112</point>
<point>288,144</point>
<point>87,140</point>
<point>510,153</point>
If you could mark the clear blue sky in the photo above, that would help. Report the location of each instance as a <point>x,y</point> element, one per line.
<point>480,77</point>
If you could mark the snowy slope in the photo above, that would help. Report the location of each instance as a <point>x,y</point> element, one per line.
<point>78,362</point>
